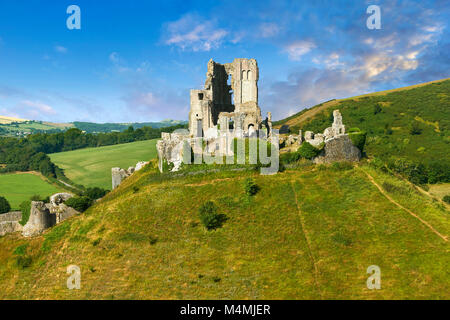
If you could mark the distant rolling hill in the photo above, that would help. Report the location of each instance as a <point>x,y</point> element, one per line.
<point>8,120</point>
<point>22,127</point>
<point>91,127</point>
<point>411,122</point>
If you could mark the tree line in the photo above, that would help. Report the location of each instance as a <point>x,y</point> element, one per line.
<point>30,153</point>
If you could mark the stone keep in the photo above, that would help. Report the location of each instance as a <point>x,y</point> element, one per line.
<point>40,219</point>
<point>217,97</point>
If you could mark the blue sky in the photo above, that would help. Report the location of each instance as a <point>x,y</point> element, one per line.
<point>136,60</point>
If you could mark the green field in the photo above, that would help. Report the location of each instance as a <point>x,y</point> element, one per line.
<point>19,187</point>
<point>91,167</point>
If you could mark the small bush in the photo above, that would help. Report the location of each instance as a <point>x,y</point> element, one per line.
<point>25,207</point>
<point>250,187</point>
<point>446,199</point>
<point>377,109</point>
<point>35,197</point>
<point>21,250</point>
<point>4,205</point>
<point>358,139</point>
<point>289,157</point>
<point>24,261</point>
<point>209,216</point>
<point>308,151</point>
<point>95,193</point>
<point>80,204</point>
<point>415,128</point>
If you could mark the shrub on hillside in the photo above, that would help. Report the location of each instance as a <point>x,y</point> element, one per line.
<point>24,261</point>
<point>377,109</point>
<point>4,205</point>
<point>308,151</point>
<point>358,139</point>
<point>250,187</point>
<point>289,157</point>
<point>415,128</point>
<point>209,216</point>
<point>95,193</point>
<point>80,204</point>
<point>446,199</point>
<point>25,207</point>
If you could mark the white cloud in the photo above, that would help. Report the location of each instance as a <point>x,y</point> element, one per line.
<point>34,109</point>
<point>268,30</point>
<point>190,32</point>
<point>114,57</point>
<point>60,49</point>
<point>297,49</point>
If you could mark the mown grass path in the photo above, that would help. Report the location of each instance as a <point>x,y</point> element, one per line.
<point>308,242</point>
<point>372,180</point>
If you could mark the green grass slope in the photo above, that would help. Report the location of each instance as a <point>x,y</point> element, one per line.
<point>91,167</point>
<point>309,233</point>
<point>19,187</point>
<point>388,117</point>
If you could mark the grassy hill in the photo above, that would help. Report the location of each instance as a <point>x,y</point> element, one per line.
<point>389,118</point>
<point>19,187</point>
<point>309,233</point>
<point>16,127</point>
<point>7,120</point>
<point>20,127</point>
<point>91,167</point>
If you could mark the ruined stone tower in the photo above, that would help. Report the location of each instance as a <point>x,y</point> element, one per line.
<point>230,93</point>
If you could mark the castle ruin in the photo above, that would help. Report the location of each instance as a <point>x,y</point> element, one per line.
<point>227,103</point>
<point>230,94</point>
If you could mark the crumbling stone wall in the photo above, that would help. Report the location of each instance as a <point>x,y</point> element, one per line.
<point>9,222</point>
<point>338,148</point>
<point>46,215</point>
<point>170,149</point>
<point>40,219</point>
<point>338,145</point>
<point>118,174</point>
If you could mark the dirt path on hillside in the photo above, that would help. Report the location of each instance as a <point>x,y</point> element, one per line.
<point>423,191</point>
<point>305,235</point>
<point>372,180</point>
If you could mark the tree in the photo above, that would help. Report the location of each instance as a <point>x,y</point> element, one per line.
<point>307,150</point>
<point>415,128</point>
<point>209,216</point>
<point>4,205</point>
<point>376,109</point>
